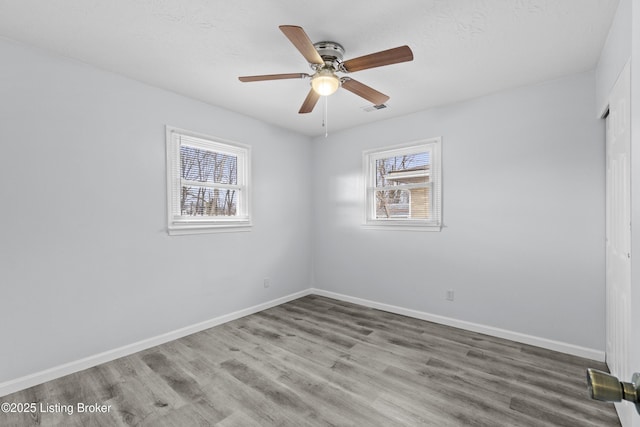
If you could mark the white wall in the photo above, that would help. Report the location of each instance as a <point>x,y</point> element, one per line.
<point>86,264</point>
<point>615,54</point>
<point>523,247</point>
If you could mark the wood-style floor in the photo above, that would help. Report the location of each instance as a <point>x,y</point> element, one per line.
<point>321,362</point>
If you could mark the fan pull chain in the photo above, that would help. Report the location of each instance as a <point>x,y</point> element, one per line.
<point>325,122</point>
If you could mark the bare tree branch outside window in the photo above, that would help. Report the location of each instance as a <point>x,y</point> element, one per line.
<point>210,168</point>
<point>397,203</point>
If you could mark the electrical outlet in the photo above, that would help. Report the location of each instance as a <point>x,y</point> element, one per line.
<point>267,282</point>
<point>450,295</point>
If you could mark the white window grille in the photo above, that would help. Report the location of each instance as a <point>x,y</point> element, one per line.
<point>207,184</point>
<point>403,186</point>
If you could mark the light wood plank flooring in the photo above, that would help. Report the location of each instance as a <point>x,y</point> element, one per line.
<point>321,362</point>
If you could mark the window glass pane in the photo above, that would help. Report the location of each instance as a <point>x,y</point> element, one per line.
<point>403,169</point>
<point>208,166</point>
<point>205,201</point>
<point>397,204</point>
<point>392,204</point>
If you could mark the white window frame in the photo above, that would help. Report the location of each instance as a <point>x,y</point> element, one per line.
<point>178,224</point>
<point>433,146</point>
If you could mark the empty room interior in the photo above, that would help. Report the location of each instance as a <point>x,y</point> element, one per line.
<point>259,213</point>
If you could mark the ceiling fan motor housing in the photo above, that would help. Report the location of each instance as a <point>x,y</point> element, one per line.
<point>331,53</point>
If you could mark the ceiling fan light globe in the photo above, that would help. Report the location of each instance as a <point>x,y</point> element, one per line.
<point>325,83</point>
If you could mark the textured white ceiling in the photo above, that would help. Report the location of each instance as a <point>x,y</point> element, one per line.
<point>462,48</point>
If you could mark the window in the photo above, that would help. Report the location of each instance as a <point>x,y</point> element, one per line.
<point>403,186</point>
<point>207,184</point>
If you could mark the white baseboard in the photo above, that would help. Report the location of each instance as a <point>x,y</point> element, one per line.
<point>27,381</point>
<point>575,350</point>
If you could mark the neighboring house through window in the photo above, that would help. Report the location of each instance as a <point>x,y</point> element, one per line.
<point>207,184</point>
<point>403,186</point>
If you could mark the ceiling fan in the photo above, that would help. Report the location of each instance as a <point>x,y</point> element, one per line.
<point>325,59</point>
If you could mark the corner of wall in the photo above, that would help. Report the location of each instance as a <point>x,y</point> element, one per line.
<point>614,55</point>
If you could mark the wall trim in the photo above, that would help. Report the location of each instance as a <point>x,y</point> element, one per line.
<point>560,346</point>
<point>31,380</point>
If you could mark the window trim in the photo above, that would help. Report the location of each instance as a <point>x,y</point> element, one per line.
<point>177,225</point>
<point>369,157</point>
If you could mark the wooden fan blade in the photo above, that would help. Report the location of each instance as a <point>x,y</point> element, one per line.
<point>378,59</point>
<point>273,77</point>
<point>366,92</point>
<point>301,41</point>
<point>310,101</point>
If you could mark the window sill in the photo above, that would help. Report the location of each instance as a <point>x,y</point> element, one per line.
<point>402,226</point>
<point>183,229</point>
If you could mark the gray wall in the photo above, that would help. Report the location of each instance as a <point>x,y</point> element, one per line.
<point>85,261</point>
<point>86,264</point>
<point>615,54</point>
<point>523,188</point>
